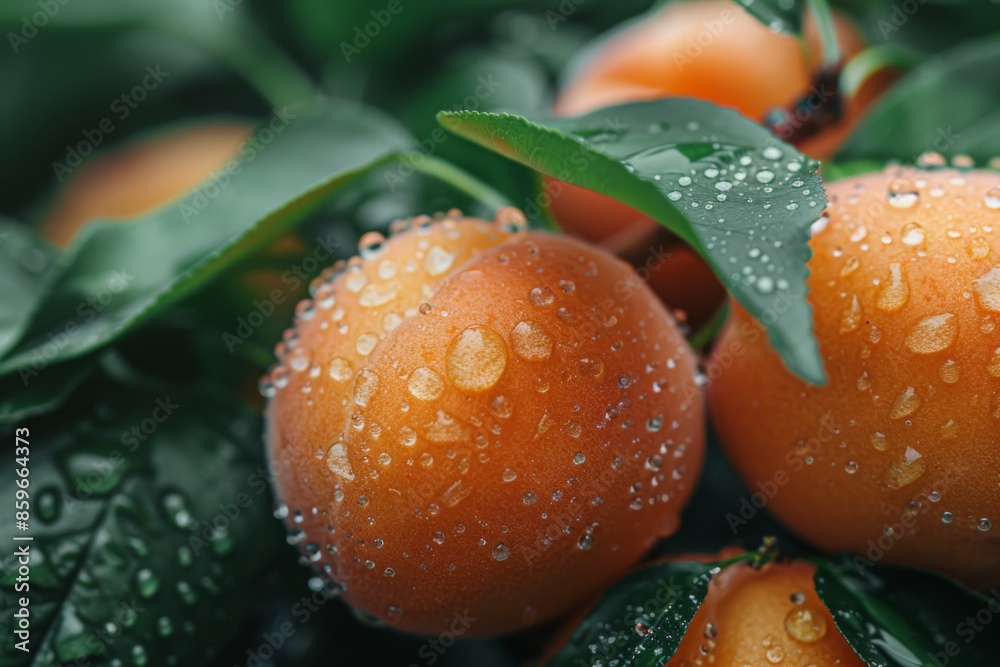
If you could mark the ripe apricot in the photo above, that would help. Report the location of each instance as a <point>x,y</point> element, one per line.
<point>134,180</point>
<point>761,617</point>
<point>896,457</point>
<point>469,419</point>
<point>715,51</point>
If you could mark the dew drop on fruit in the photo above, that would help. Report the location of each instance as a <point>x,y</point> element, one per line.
<point>852,317</point>
<point>902,193</point>
<point>879,441</point>
<point>805,625</point>
<point>979,248</point>
<point>365,387</point>
<point>585,542</point>
<point>950,372</point>
<point>338,463</point>
<point>933,334</point>
<point>511,219</point>
<point>365,343</point>
<point>992,198</point>
<point>592,367</point>
<point>851,467</point>
<point>947,517</point>
<point>994,366</point>
<point>370,244</point>
<point>437,261</point>
<point>894,292</point>
<point>907,470</point>
<point>984,524</point>
<point>530,342</point>
<point>500,552</point>
<point>374,295</point>
<point>987,289</point>
<point>913,234</point>
<point>476,359</point>
<point>424,384</point>
<point>529,498</point>
<point>541,296</point>
<point>851,265</point>
<point>340,369</point>
<point>905,404</point>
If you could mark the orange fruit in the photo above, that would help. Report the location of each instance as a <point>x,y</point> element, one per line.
<point>473,420</point>
<point>896,457</point>
<point>136,179</point>
<point>762,617</point>
<point>702,50</point>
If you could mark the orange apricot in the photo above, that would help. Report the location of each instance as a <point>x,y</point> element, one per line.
<point>131,181</point>
<point>474,419</point>
<point>896,457</point>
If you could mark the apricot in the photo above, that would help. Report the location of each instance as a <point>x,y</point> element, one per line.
<point>896,457</point>
<point>715,51</point>
<point>131,181</point>
<point>472,419</point>
<point>761,617</point>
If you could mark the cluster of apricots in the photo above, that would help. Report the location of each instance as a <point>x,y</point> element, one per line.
<point>474,417</point>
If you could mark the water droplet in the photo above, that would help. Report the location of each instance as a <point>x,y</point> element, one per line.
<point>851,467</point>
<point>579,458</point>
<point>979,248</point>
<point>476,359</point>
<point>340,369</point>
<point>370,244</point>
<point>907,470</point>
<point>585,542</point>
<point>933,334</point>
<point>805,625</point>
<point>905,404</point>
<point>366,342</point>
<point>509,475</point>
<point>913,234</point>
<point>541,296</point>
<point>365,387</point>
<point>765,176</point>
<point>338,463</point>
<point>852,317</point>
<point>987,289</point>
<point>950,372</point>
<point>500,552</point>
<point>902,193</point>
<point>984,524</point>
<point>992,198</point>
<point>147,583</point>
<point>529,498</point>
<point>437,261</point>
<point>592,367</point>
<point>771,153</point>
<point>851,265</point>
<point>947,517</point>
<point>424,384</point>
<point>530,342</point>
<point>879,441</point>
<point>895,292</point>
<point>378,294</point>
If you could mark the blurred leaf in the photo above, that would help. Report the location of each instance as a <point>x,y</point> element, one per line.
<point>641,621</point>
<point>25,262</point>
<point>695,168</point>
<point>31,392</point>
<point>898,617</point>
<point>778,15</point>
<point>950,105</point>
<point>117,276</point>
<point>151,526</point>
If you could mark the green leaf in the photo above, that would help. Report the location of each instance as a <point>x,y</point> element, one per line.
<point>641,621</point>
<point>32,392</point>
<point>900,617</point>
<point>118,276</point>
<point>25,261</point>
<point>740,197</point>
<point>950,105</point>
<point>151,527</point>
<point>778,15</point>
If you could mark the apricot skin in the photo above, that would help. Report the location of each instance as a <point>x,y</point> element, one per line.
<point>743,617</point>
<point>762,617</point>
<point>134,180</point>
<point>896,457</point>
<point>488,450</point>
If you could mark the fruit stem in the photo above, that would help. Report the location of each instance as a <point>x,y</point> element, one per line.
<point>827,33</point>
<point>862,66</point>
<point>461,180</point>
